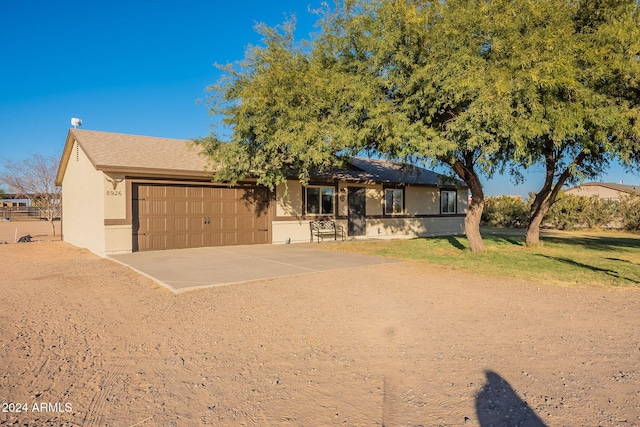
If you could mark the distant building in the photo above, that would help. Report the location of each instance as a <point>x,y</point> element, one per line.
<point>604,190</point>
<point>13,200</point>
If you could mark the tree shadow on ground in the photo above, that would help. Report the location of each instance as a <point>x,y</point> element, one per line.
<point>604,243</point>
<point>622,260</point>
<point>455,242</point>
<point>606,271</point>
<point>514,236</point>
<point>497,404</point>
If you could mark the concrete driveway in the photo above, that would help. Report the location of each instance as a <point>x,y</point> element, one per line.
<point>183,270</point>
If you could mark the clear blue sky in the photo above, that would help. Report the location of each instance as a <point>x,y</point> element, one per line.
<point>136,66</point>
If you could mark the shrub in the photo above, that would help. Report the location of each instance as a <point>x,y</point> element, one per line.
<point>598,213</point>
<point>504,211</point>
<point>567,212</point>
<point>629,212</point>
<point>571,212</point>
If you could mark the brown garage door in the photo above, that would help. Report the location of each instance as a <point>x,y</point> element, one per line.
<point>179,216</point>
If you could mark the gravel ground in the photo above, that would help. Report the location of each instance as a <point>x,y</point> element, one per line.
<point>87,342</point>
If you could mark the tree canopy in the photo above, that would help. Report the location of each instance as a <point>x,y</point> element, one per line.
<point>477,86</point>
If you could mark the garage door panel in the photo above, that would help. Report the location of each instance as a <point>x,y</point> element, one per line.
<point>180,208</point>
<point>216,208</point>
<point>158,241</point>
<point>168,216</point>
<point>216,224</point>
<point>158,223</point>
<point>229,207</point>
<point>180,224</point>
<point>195,207</point>
<point>224,239</point>
<point>247,222</point>
<point>229,223</point>
<point>180,241</point>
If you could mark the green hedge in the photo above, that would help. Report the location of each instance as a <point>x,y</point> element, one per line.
<point>504,212</point>
<point>568,213</point>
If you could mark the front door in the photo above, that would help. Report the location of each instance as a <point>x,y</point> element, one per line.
<point>357,211</point>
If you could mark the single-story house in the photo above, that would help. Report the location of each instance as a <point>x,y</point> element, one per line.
<point>604,190</point>
<point>126,193</point>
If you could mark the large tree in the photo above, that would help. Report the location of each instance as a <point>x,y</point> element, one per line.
<point>33,178</point>
<point>472,85</point>
<point>396,79</point>
<point>575,100</point>
<point>287,111</point>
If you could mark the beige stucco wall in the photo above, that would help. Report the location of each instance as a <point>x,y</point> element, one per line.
<point>419,200</point>
<point>295,231</point>
<point>422,201</point>
<point>115,198</point>
<point>289,199</point>
<point>376,228</point>
<point>83,203</point>
<point>595,190</point>
<point>118,238</point>
<point>414,227</point>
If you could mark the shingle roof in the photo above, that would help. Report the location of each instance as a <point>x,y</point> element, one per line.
<point>625,188</point>
<point>145,154</point>
<point>361,170</point>
<point>387,171</point>
<point>116,150</point>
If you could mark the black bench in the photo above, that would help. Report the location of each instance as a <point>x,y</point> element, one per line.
<point>322,228</point>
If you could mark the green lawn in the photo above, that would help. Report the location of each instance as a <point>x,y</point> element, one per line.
<point>604,258</point>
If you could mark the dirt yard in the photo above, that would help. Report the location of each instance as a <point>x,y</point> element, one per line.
<point>11,231</point>
<point>87,342</point>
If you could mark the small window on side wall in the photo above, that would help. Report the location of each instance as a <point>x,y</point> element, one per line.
<point>320,201</point>
<point>448,201</point>
<point>393,201</point>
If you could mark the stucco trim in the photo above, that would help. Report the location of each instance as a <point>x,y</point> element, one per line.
<point>124,221</point>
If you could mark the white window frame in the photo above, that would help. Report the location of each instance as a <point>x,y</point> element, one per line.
<point>320,213</point>
<point>448,194</point>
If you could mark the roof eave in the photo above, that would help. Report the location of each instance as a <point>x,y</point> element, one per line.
<point>66,154</point>
<point>154,171</point>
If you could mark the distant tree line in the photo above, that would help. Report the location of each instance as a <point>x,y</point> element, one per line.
<point>570,212</point>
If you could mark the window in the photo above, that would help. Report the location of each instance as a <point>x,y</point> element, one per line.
<point>320,201</point>
<point>448,202</point>
<point>393,201</point>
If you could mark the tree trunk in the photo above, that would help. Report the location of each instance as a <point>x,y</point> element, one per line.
<point>53,227</point>
<point>539,209</point>
<point>548,195</point>
<point>474,213</point>
<point>533,231</point>
<point>472,226</point>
